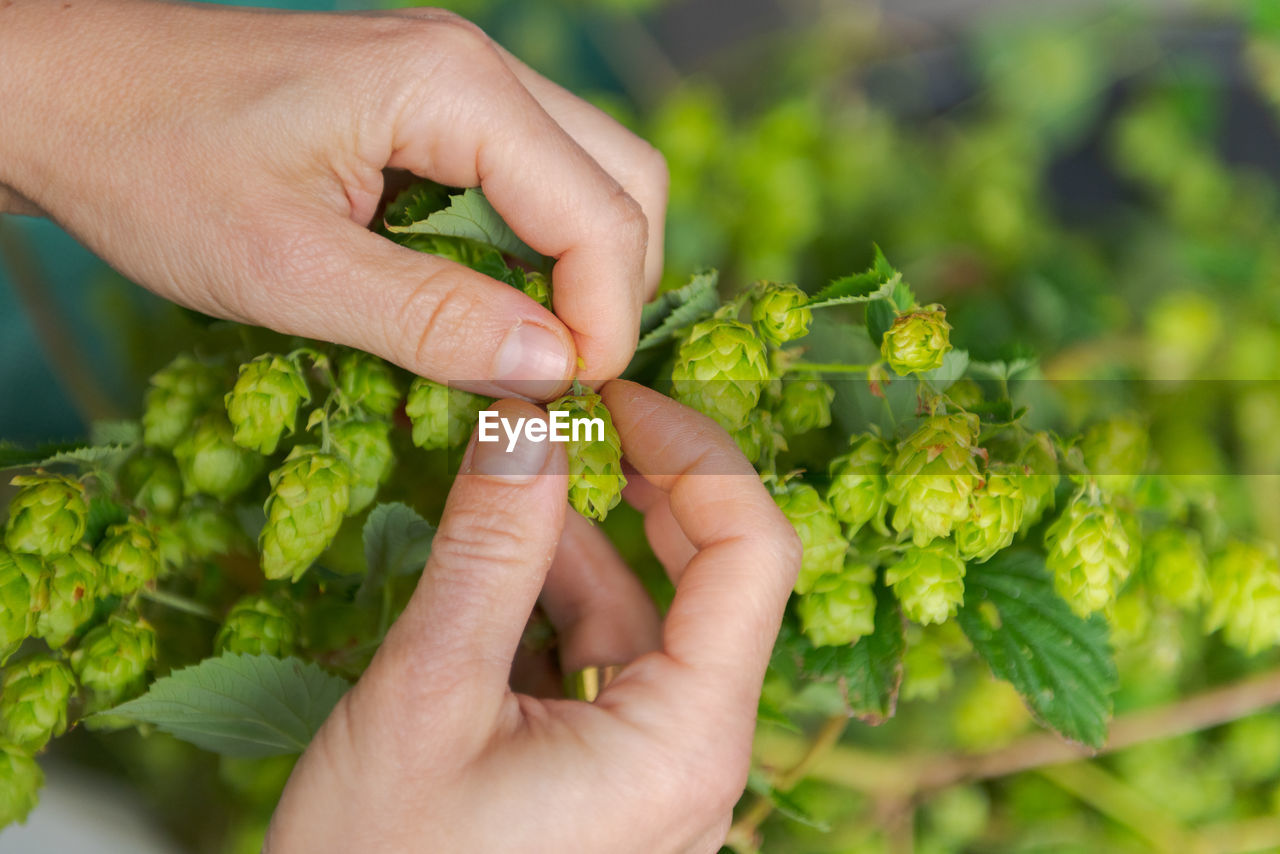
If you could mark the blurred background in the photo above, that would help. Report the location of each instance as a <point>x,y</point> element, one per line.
<point>1095,183</point>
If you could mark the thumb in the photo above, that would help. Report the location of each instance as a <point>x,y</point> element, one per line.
<point>457,637</point>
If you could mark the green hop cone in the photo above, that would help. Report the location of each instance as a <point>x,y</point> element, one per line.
<point>208,531</point>
<point>264,402</point>
<point>1115,452</point>
<point>595,462</point>
<point>112,661</point>
<point>720,370</point>
<point>259,625</point>
<point>212,463</point>
<point>130,557</point>
<point>1130,618</point>
<point>929,582</point>
<point>310,493</point>
<point>927,669</point>
<point>1091,549</point>
<point>1176,567</point>
<point>152,481</point>
<point>779,314</point>
<point>819,531</point>
<point>995,515</point>
<point>33,701</point>
<point>933,476</point>
<point>1244,597</point>
<point>537,288</point>
<point>74,582</point>
<point>805,406</point>
<point>1040,477</point>
<point>178,394</point>
<point>21,594</point>
<point>917,341</point>
<point>759,438</point>
<point>442,417</point>
<point>366,447</point>
<point>841,608</point>
<point>965,394</point>
<point>47,516</point>
<point>857,491</point>
<point>368,383</point>
<point>20,782</point>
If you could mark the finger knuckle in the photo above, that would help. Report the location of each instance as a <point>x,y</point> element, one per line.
<point>429,324</point>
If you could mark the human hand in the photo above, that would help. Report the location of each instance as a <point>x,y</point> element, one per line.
<point>231,159</point>
<point>431,750</point>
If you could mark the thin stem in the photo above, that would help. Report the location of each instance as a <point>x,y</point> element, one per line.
<point>1121,803</point>
<point>829,367</point>
<point>181,603</point>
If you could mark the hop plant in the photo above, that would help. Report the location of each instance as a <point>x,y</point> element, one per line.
<point>917,341</point>
<point>805,406</point>
<point>780,314</point>
<point>1176,567</point>
<point>129,557</point>
<point>178,394</point>
<point>759,438</point>
<point>841,608</point>
<point>819,531</point>
<point>264,402</point>
<point>933,476</point>
<point>857,491</point>
<point>1244,600</point>
<point>720,370</point>
<point>207,531</point>
<point>1092,548</point>
<point>259,625</point>
<point>151,480</point>
<point>74,582</point>
<point>442,417</point>
<point>21,594</point>
<point>33,701</point>
<point>310,493</point>
<point>929,582</point>
<point>47,516</point>
<point>20,783</point>
<point>1115,453</point>
<point>212,463</point>
<point>1040,478</point>
<point>537,288</point>
<point>113,659</point>
<point>368,383</point>
<point>366,448</point>
<point>995,516</point>
<point>595,465</point>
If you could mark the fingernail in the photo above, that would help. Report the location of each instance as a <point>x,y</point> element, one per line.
<point>532,361</point>
<point>512,457</point>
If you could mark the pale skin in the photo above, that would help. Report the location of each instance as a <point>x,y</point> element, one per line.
<point>231,160</point>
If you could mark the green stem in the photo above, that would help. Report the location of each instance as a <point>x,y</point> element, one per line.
<point>1121,803</point>
<point>829,367</point>
<point>181,603</point>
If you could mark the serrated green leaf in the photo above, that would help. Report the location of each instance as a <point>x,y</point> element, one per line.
<point>1059,663</point>
<point>869,671</point>
<point>79,453</point>
<point>240,705</point>
<point>768,712</point>
<point>397,541</point>
<point>954,364</point>
<point>669,314</point>
<point>783,802</point>
<point>879,282</point>
<point>468,216</point>
<point>115,433</point>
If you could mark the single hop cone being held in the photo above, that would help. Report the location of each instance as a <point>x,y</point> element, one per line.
<point>537,288</point>
<point>442,417</point>
<point>805,405</point>
<point>1244,597</point>
<point>47,516</point>
<point>780,314</point>
<point>74,582</point>
<point>112,661</point>
<point>839,609</point>
<point>20,783</point>
<point>929,582</point>
<point>595,464</point>
<point>22,592</point>
<point>264,403</point>
<point>179,393</point>
<point>259,625</point>
<point>368,383</point>
<point>33,701</point>
<point>1092,548</point>
<point>819,531</point>
<point>857,491</point>
<point>933,476</point>
<point>917,341</point>
<point>720,370</point>
<point>212,463</point>
<point>995,515</point>
<point>130,557</point>
<point>366,447</point>
<point>310,494</point>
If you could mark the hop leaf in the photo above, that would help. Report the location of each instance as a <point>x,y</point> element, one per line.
<point>152,481</point>
<point>929,582</point>
<point>179,393</point>
<point>857,491</point>
<point>839,609</point>
<point>47,516</point>
<point>74,581</point>
<point>1115,452</point>
<point>720,370</point>
<point>1040,478</point>
<point>1092,548</point>
<point>20,782</point>
<point>805,406</point>
<point>33,701</point>
<point>264,402</point>
<point>21,592</point>
<point>259,625</point>
<point>917,341</point>
<point>113,659</point>
<point>1244,584</point>
<point>211,462</point>
<point>1176,567</point>
<point>995,516</point>
<point>595,464</point>
<point>369,383</point>
<point>781,315</point>
<point>442,417</point>
<point>932,477</point>
<point>310,493</point>
<point>819,531</point>
<point>366,448</point>
<point>129,557</point>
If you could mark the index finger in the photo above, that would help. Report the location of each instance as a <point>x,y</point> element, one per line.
<point>731,595</point>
